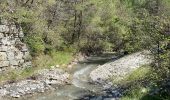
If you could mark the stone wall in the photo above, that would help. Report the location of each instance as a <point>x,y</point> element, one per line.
<point>14,53</point>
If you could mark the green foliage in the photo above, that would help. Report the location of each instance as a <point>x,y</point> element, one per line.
<point>141,82</point>
<point>36,44</point>
<point>139,92</point>
<point>136,94</point>
<point>55,30</point>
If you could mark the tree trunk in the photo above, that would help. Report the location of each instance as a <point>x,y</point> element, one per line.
<point>75,28</point>
<point>158,54</point>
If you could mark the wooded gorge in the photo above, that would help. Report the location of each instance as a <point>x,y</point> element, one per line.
<point>56,30</point>
<point>97,25</point>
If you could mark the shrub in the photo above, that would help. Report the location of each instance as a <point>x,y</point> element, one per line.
<point>35,44</point>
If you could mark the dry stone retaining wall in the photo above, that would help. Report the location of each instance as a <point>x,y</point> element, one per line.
<point>13,52</point>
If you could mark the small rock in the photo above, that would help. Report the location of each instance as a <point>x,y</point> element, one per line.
<point>57,66</point>
<point>52,67</point>
<point>15,95</point>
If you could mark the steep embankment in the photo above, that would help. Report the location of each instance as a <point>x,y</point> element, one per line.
<point>118,69</point>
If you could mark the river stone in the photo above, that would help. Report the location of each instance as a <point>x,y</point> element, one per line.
<point>24,48</point>
<point>13,29</point>
<point>4,63</point>
<point>4,22</point>
<point>5,41</point>
<point>4,29</point>
<point>26,64</point>
<point>14,63</point>
<point>16,35</point>
<point>3,56</point>
<point>10,56</point>
<point>1,35</point>
<point>3,48</point>
<point>3,92</point>
<point>19,55</point>
<point>21,61</point>
<point>54,76</point>
<point>21,34</point>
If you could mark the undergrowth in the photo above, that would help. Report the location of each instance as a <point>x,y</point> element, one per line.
<point>141,83</point>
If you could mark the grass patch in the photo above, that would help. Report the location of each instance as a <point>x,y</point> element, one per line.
<point>57,58</point>
<point>139,74</point>
<point>141,82</point>
<point>14,75</point>
<point>136,90</point>
<point>136,93</point>
<point>139,92</point>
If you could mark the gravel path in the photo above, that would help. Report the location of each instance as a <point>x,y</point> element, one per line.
<point>120,68</point>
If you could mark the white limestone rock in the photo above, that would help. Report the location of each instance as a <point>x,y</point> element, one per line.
<point>13,52</point>
<point>4,64</point>
<point>1,35</point>
<point>3,56</point>
<point>4,29</point>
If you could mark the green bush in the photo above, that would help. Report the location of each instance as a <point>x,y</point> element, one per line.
<point>35,44</point>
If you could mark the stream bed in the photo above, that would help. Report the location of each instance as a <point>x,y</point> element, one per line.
<point>81,87</point>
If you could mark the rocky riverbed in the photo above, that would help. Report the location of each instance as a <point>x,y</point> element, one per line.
<point>82,84</point>
<point>42,81</point>
<point>118,69</point>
